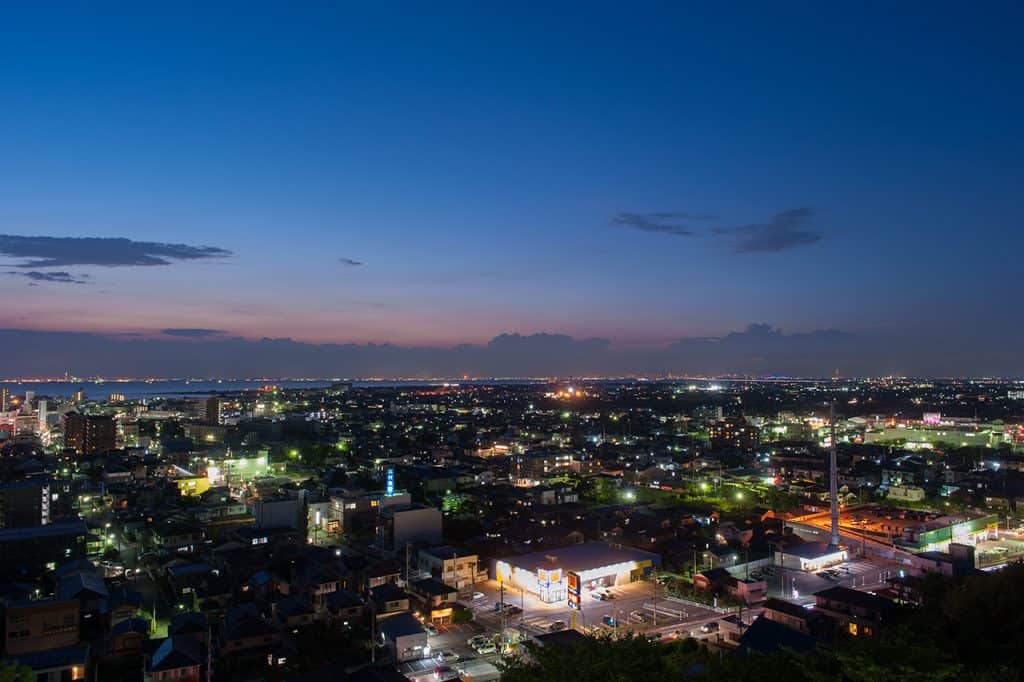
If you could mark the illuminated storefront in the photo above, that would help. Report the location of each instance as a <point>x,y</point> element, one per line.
<point>545,574</point>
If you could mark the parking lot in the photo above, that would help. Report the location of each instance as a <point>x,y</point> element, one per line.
<point>450,638</point>
<point>800,586</point>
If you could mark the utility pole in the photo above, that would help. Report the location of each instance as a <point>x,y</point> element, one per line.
<point>408,551</point>
<point>501,601</point>
<point>209,653</point>
<point>655,596</point>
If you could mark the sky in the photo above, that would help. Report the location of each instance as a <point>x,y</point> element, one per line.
<point>439,175</point>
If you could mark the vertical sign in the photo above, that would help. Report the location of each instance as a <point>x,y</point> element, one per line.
<point>574,590</point>
<point>390,489</point>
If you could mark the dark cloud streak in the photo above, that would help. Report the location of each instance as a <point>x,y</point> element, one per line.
<point>660,223</point>
<point>49,252</point>
<point>58,277</point>
<point>192,332</point>
<point>786,230</point>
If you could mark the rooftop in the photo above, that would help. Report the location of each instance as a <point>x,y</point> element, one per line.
<point>581,557</point>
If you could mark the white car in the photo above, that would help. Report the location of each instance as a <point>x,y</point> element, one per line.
<point>446,656</point>
<point>477,596</point>
<point>430,628</point>
<point>487,648</point>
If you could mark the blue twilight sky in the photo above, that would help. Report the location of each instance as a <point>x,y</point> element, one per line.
<point>438,173</point>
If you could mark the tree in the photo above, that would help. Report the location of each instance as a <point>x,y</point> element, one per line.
<point>15,672</point>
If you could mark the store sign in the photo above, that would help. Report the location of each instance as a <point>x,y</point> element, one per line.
<point>574,590</point>
<point>390,488</point>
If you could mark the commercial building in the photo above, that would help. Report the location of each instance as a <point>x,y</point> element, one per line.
<point>936,534</point>
<point>597,564</point>
<point>90,433</point>
<point>811,556</point>
<point>403,636</point>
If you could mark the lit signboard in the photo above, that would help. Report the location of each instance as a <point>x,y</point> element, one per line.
<point>574,590</point>
<point>390,488</point>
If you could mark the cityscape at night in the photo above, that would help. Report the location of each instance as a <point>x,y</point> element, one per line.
<point>511,343</point>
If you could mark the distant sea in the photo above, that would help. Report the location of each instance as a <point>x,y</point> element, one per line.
<point>137,390</point>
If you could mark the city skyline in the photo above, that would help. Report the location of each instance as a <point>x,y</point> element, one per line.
<point>625,187</point>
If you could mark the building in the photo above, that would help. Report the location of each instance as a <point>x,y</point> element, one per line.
<point>281,512</point>
<point>906,493</point>
<point>213,410</point>
<point>956,562</point>
<point>533,467</point>
<point>25,503</point>
<point>68,664</point>
<point>734,433</point>
<point>33,549</point>
<point>86,434</point>
<point>403,636</point>
<point>435,599</point>
<point>192,486</point>
<point>720,581</point>
<point>5,399</point>
<point>31,626</point>
<point>936,533</point>
<point>205,433</point>
<point>853,611</point>
<point>810,556</point>
<point>450,566</point>
<point>177,658</point>
<point>597,564</point>
<point>409,524</point>
<point>353,510</point>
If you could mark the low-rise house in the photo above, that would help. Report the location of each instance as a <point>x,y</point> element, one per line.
<point>388,598</point>
<point>854,612</point>
<point>177,658</point>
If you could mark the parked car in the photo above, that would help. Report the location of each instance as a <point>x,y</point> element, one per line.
<point>486,648</point>
<point>598,596</point>
<point>430,628</point>
<point>476,641</point>
<point>446,656</point>
<point>477,596</point>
